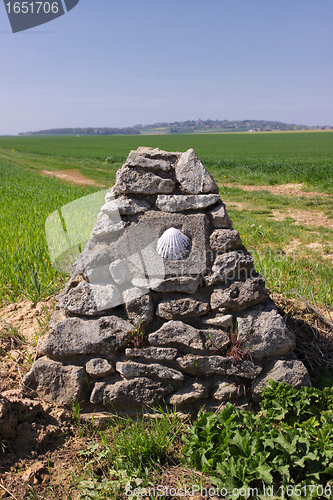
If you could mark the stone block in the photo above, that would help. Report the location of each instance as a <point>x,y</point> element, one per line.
<point>138,181</point>
<point>230,266</point>
<point>140,311</point>
<point>264,334</point>
<point>153,353</point>
<point>292,372</point>
<point>132,369</point>
<point>188,339</point>
<point>99,368</point>
<point>125,206</point>
<point>223,240</point>
<point>224,390</point>
<point>90,300</point>
<point>180,203</point>
<point>173,307</point>
<point>183,284</point>
<point>55,382</point>
<point>75,336</point>
<point>240,295</point>
<point>192,175</point>
<point>193,390</point>
<point>217,365</point>
<point>127,393</point>
<point>220,218</point>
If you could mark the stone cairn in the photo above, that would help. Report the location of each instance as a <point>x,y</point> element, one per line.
<point>164,306</point>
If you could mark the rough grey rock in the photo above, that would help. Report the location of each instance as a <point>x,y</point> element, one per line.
<point>222,321</point>
<point>137,159</point>
<point>187,338</point>
<point>125,206</point>
<point>183,307</point>
<point>73,336</point>
<point>127,393</point>
<point>183,284</point>
<point>99,368</point>
<point>119,271</point>
<point>240,295</point>
<point>230,266</point>
<point>133,293</point>
<point>106,226</point>
<point>140,311</point>
<point>192,175</point>
<point>190,392</point>
<point>224,390</point>
<point>132,180</point>
<point>55,382</point>
<point>89,300</point>
<point>292,372</point>
<point>153,353</point>
<point>219,216</point>
<point>217,365</point>
<point>131,369</point>
<point>222,240</point>
<point>155,153</point>
<point>179,203</point>
<point>264,334</point>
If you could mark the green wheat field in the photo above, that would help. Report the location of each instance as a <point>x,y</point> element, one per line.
<point>293,252</point>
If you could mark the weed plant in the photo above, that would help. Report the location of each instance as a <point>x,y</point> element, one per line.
<point>288,443</point>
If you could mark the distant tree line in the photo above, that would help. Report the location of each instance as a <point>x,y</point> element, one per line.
<point>194,125</point>
<point>86,131</point>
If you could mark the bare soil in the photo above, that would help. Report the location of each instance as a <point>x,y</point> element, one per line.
<point>304,217</point>
<point>73,176</point>
<point>282,189</point>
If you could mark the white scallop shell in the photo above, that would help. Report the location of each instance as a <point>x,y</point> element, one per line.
<point>173,244</point>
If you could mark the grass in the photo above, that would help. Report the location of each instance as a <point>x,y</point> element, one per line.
<point>305,157</point>
<point>26,201</point>
<point>266,158</point>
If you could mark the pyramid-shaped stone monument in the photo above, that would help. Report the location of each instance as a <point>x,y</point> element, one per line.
<point>164,306</point>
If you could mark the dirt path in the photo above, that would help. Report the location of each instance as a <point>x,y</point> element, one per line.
<point>281,189</point>
<point>73,176</point>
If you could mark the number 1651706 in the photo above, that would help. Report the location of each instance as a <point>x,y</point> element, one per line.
<point>32,7</point>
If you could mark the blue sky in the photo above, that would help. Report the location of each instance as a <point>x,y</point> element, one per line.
<point>120,63</point>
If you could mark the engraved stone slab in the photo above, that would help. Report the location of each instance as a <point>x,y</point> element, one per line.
<point>194,227</point>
